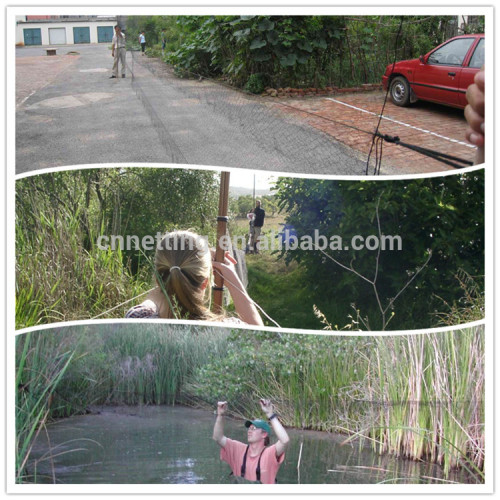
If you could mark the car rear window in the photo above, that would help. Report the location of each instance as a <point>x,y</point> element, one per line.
<point>451,54</point>
<point>477,59</point>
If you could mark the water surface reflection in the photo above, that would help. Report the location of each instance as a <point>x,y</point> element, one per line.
<point>174,445</point>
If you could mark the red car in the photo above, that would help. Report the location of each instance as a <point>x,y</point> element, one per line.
<point>441,76</point>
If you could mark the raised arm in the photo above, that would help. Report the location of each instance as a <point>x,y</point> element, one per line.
<point>279,430</point>
<point>242,302</point>
<point>219,424</point>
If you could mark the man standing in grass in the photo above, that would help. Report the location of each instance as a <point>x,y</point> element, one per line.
<point>118,52</point>
<point>258,222</point>
<point>257,461</point>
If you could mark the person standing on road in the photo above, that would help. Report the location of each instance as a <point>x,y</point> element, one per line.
<point>258,222</point>
<point>257,461</point>
<point>142,41</point>
<point>163,41</point>
<point>118,52</point>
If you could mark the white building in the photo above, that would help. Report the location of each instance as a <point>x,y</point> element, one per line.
<point>64,30</point>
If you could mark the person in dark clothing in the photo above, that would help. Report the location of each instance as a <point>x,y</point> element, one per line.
<point>258,222</point>
<point>163,41</point>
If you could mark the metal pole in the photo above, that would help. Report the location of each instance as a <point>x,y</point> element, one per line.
<point>218,288</point>
<point>253,206</point>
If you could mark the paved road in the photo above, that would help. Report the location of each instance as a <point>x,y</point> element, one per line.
<point>70,113</point>
<point>80,115</point>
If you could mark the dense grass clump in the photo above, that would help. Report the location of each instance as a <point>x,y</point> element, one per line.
<point>58,279</point>
<point>41,362</point>
<point>432,390</point>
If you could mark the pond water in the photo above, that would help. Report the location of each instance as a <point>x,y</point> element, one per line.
<point>160,444</point>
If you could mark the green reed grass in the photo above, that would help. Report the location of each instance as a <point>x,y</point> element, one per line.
<point>433,389</point>
<point>57,279</point>
<point>133,363</point>
<point>41,362</point>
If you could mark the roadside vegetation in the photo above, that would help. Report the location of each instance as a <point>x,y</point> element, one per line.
<point>255,52</point>
<point>417,396</point>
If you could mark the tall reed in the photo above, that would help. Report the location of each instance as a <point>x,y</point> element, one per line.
<point>432,391</point>
<point>57,279</point>
<point>41,362</point>
<point>130,363</point>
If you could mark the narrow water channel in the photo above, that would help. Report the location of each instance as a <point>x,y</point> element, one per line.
<point>173,445</point>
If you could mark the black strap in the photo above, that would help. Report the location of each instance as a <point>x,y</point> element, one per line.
<point>244,464</point>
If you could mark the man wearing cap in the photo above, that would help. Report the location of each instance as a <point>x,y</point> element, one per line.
<point>256,461</point>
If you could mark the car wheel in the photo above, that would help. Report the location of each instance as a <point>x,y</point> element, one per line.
<point>400,91</point>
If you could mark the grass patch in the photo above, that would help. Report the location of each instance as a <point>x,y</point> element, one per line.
<point>280,290</point>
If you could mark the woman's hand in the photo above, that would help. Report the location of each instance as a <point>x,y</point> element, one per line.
<point>242,302</point>
<point>227,269</point>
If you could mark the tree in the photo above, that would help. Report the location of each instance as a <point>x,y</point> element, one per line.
<point>442,215</point>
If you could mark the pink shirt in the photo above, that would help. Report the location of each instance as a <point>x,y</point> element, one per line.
<point>233,454</point>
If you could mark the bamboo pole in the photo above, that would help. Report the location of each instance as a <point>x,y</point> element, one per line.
<point>218,288</point>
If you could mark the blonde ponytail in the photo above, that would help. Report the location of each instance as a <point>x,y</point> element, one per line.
<point>183,267</point>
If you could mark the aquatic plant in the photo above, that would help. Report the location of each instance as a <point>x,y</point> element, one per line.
<point>133,363</point>
<point>41,362</point>
<point>432,390</point>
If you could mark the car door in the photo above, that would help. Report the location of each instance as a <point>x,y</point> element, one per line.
<point>474,63</point>
<point>437,77</point>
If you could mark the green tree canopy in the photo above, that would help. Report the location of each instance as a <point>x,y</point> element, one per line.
<point>443,216</point>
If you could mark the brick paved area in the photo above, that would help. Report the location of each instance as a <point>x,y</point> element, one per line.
<point>434,119</point>
<point>29,80</point>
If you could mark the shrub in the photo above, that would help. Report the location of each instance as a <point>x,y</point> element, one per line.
<point>256,83</point>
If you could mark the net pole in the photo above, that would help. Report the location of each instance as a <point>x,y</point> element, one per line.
<point>218,288</point>
<point>254,190</point>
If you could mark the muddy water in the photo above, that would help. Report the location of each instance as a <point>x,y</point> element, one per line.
<point>173,445</point>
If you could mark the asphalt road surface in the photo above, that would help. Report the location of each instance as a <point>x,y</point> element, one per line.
<point>69,112</point>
